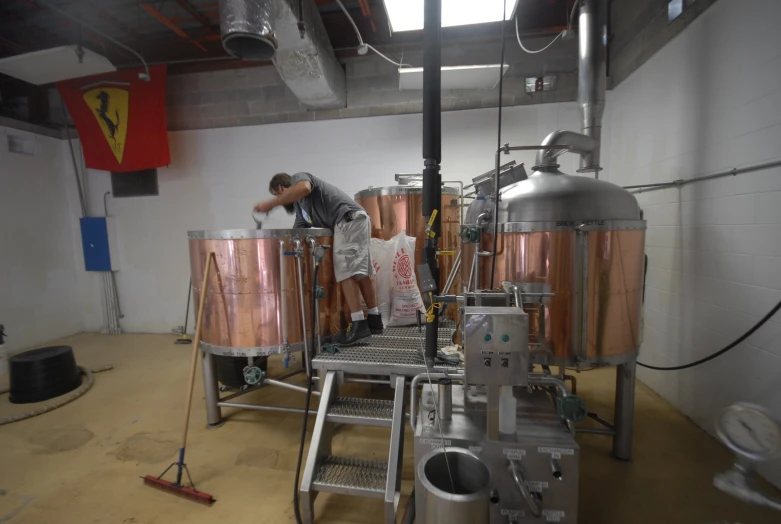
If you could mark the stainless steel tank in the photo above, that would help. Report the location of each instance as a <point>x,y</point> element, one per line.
<point>580,239</point>
<point>400,208</point>
<point>255,307</point>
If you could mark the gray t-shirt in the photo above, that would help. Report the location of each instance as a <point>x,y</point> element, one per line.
<point>325,206</point>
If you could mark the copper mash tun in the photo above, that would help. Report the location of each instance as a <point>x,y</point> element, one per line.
<point>399,208</point>
<point>260,290</point>
<point>574,247</point>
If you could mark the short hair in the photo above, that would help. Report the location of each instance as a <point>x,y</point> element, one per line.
<point>279,180</point>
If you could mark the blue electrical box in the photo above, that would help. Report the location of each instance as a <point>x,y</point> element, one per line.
<point>95,242</point>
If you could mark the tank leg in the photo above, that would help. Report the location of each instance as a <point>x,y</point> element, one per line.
<point>211,391</point>
<point>624,410</point>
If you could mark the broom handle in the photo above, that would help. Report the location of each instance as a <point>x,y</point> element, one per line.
<point>196,348</point>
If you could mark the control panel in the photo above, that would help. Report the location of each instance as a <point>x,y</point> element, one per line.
<point>496,346</point>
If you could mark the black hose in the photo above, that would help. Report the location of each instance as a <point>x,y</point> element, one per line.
<point>740,339</point>
<point>306,405</point>
<point>498,146</point>
<point>409,513</point>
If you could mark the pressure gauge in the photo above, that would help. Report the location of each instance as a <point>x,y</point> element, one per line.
<point>749,431</point>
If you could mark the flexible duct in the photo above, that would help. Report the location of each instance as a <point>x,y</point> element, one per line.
<point>268,29</point>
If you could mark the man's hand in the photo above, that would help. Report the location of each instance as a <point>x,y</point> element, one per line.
<point>265,207</point>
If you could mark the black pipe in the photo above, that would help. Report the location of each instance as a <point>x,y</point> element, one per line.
<point>432,151</point>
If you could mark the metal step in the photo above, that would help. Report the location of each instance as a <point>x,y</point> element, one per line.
<point>363,411</point>
<point>351,476</point>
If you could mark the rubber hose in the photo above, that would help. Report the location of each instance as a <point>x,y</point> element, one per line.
<point>296,508</point>
<point>61,401</point>
<point>409,513</point>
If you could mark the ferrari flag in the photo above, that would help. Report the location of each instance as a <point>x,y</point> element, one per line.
<point>120,119</point>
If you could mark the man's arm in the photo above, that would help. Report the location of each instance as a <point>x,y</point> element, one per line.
<point>290,195</point>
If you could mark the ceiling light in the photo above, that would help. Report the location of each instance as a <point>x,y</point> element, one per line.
<point>458,77</point>
<point>52,65</point>
<point>407,15</point>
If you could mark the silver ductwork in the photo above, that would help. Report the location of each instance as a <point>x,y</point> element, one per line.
<point>268,29</point>
<point>578,143</point>
<point>592,55</point>
<point>591,93</point>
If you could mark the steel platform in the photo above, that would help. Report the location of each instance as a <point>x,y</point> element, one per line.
<point>398,351</point>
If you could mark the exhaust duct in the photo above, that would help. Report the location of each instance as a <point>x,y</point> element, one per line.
<point>268,30</point>
<point>592,55</point>
<point>591,94</point>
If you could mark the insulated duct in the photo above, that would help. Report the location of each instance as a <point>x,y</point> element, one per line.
<point>268,30</point>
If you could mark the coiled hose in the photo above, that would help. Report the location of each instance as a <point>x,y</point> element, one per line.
<point>61,401</point>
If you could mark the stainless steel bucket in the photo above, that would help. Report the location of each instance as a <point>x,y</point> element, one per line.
<point>455,486</point>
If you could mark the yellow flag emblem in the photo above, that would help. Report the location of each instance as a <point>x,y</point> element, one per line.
<point>110,107</point>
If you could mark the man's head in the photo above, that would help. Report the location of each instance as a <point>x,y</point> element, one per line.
<point>278,184</point>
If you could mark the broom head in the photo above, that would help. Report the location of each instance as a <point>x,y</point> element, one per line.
<point>182,491</point>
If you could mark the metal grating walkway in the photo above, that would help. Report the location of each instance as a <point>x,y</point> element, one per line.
<point>361,410</point>
<point>352,476</point>
<point>398,351</point>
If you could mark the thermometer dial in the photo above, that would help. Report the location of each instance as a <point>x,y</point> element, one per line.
<point>749,431</point>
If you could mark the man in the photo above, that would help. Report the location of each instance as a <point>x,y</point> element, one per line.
<point>319,204</point>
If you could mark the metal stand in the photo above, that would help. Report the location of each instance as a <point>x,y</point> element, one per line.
<point>211,391</point>
<point>624,410</point>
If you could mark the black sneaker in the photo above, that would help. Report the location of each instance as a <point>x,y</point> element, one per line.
<point>356,333</point>
<point>375,324</point>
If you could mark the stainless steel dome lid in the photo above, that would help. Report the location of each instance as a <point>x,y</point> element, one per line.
<point>549,196</point>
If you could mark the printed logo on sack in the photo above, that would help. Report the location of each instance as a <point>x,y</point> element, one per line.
<point>402,270</point>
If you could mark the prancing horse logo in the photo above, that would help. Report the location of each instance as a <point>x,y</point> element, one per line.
<point>102,113</point>
<point>110,107</point>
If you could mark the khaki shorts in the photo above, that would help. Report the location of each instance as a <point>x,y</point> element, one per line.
<point>352,248</point>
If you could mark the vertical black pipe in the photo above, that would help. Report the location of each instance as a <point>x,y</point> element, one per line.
<point>432,150</point>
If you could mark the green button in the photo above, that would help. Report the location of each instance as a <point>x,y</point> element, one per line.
<point>487,337</point>
<point>505,338</point>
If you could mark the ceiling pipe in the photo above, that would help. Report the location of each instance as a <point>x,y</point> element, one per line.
<point>591,95</point>
<point>591,77</point>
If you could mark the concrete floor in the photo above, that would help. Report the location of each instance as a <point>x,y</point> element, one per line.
<point>81,463</point>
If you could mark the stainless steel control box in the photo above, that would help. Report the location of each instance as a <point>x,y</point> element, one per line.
<point>496,346</point>
<point>543,448</point>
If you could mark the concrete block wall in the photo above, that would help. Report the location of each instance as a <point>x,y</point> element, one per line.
<point>708,101</point>
<point>640,28</point>
<point>257,95</point>
<point>41,265</point>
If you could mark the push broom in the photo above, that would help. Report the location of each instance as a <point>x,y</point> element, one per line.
<point>177,488</point>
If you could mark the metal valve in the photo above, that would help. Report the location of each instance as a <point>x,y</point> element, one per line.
<point>470,235</point>
<point>572,408</point>
<point>320,292</point>
<point>253,375</point>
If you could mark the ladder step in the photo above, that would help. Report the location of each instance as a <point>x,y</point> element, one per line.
<point>362,411</point>
<point>351,476</point>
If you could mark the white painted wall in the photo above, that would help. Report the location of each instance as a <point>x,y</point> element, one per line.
<point>40,291</point>
<point>216,175</point>
<point>710,100</point>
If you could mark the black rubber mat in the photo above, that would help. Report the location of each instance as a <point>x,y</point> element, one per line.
<point>41,374</point>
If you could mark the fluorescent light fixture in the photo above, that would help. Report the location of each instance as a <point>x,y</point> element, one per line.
<point>52,65</point>
<point>407,15</point>
<point>457,77</point>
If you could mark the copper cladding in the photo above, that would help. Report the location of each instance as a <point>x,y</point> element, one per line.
<point>393,213</point>
<point>244,306</point>
<point>613,263</point>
